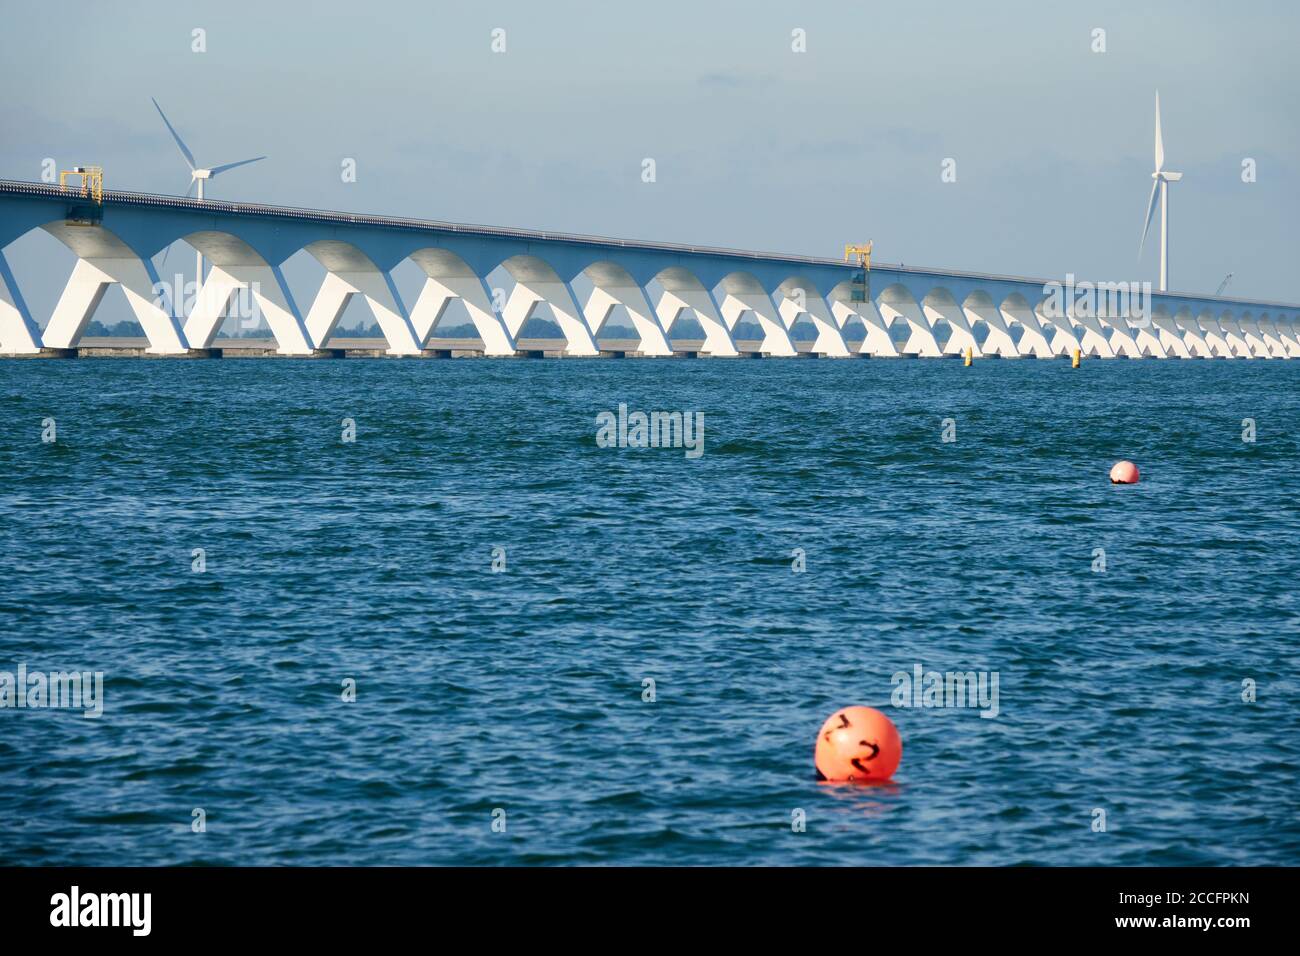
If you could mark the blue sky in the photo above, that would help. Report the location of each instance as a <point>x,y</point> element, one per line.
<point>755,146</point>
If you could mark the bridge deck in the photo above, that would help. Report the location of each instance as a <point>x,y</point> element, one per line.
<point>334,217</point>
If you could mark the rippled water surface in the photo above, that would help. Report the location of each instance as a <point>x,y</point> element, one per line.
<point>523,690</point>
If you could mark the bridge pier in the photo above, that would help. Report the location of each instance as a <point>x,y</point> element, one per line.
<point>1168,337</point>
<point>269,291</point>
<point>19,335</point>
<point>605,296</point>
<point>920,342</point>
<point>1114,330</point>
<point>717,337</point>
<point>1232,335</point>
<point>386,306</point>
<point>90,279</point>
<point>1033,335</point>
<point>961,336</point>
<point>1065,337</point>
<point>1286,333</point>
<point>1214,336</point>
<point>829,341</point>
<point>776,338</point>
<point>877,341</point>
<point>1192,335</point>
<point>1250,332</point>
<point>999,340</point>
<point>558,296</point>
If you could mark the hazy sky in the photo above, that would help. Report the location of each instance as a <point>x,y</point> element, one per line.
<point>755,145</point>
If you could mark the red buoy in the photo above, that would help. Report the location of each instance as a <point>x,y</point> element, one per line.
<point>859,744</point>
<point>1124,473</point>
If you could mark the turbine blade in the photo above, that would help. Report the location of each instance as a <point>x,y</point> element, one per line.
<point>185,150</point>
<point>190,192</point>
<point>1151,211</point>
<point>243,162</point>
<point>1160,140</point>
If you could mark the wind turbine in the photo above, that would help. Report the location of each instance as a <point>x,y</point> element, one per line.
<point>197,175</point>
<point>1162,179</point>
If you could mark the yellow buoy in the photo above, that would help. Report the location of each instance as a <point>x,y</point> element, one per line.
<point>1075,362</point>
<point>970,355</point>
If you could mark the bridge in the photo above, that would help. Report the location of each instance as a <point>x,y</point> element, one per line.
<point>581,280</point>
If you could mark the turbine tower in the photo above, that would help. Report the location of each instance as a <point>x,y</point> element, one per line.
<point>1162,179</point>
<point>198,175</point>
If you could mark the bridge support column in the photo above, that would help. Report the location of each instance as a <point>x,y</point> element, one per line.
<point>85,290</point>
<point>999,340</point>
<point>1147,339</point>
<point>558,296</point>
<point>1268,332</point>
<point>380,294</point>
<point>1065,334</point>
<point>19,335</point>
<point>1033,335</point>
<point>776,338</point>
<point>1287,334</point>
<point>1215,335</point>
<point>1092,336</point>
<point>1165,331</point>
<point>1232,333</point>
<point>603,299</point>
<point>717,337</point>
<point>877,342</point>
<point>269,290</point>
<point>829,341</point>
<point>1194,336</point>
<point>961,336</point>
<point>1123,342</point>
<point>437,293</point>
<point>1254,340</point>
<point>921,341</point>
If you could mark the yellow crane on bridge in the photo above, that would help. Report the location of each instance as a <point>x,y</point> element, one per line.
<point>88,208</point>
<point>860,283</point>
<point>92,181</point>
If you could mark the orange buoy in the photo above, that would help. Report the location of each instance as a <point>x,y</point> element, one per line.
<point>1124,473</point>
<point>859,744</point>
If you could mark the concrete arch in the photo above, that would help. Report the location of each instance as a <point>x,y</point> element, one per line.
<point>1206,323</point>
<point>234,265</point>
<point>1189,330</point>
<point>537,282</point>
<point>447,277</point>
<point>1249,325</point>
<point>1268,333</point>
<point>1288,334</point>
<point>103,259</point>
<point>612,285</point>
<point>681,289</point>
<point>742,292</point>
<point>798,295</point>
<point>1232,333</point>
<point>1164,329</point>
<point>1033,335</point>
<point>350,271</point>
<point>940,304</point>
<point>978,308</point>
<point>897,302</point>
<point>876,342</point>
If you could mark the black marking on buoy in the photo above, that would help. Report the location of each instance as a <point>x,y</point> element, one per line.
<point>844,720</point>
<point>875,752</point>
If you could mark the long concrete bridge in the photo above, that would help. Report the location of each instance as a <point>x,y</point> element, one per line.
<point>581,280</point>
